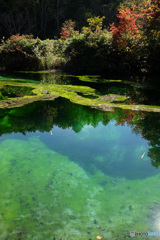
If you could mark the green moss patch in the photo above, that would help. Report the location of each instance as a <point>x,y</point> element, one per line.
<point>84,95</point>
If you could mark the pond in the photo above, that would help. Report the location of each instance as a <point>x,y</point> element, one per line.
<point>72,172</point>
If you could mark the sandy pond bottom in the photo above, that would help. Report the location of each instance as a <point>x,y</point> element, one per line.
<point>46,196</point>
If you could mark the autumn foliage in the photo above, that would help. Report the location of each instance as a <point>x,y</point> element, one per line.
<point>64,33</point>
<point>128,27</point>
<point>131,46</point>
<point>137,24</point>
<point>67,29</point>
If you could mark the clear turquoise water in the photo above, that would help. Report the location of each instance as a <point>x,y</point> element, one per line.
<point>71,172</point>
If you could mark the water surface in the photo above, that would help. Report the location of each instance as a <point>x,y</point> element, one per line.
<point>72,172</point>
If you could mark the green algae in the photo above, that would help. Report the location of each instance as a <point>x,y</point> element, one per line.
<point>84,95</point>
<point>95,78</point>
<point>44,195</point>
<point>16,91</point>
<point>16,80</point>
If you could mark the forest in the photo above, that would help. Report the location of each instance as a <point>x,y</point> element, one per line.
<point>83,37</point>
<point>44,18</point>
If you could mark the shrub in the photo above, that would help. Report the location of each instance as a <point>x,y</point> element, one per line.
<point>87,52</point>
<point>87,55</point>
<point>26,53</point>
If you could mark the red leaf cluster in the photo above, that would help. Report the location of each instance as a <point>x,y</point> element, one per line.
<point>127,27</point>
<point>64,33</point>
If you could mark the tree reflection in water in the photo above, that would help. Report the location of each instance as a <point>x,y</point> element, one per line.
<point>44,115</point>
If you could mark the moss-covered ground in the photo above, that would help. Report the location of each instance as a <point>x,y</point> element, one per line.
<point>81,94</point>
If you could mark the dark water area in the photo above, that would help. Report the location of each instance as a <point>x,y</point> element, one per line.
<point>68,171</point>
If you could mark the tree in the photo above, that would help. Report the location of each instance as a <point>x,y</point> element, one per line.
<point>67,29</point>
<point>128,30</point>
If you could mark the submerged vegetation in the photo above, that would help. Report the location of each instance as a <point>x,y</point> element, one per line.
<point>53,197</point>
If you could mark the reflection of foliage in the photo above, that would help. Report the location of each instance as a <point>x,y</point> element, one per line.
<point>15,91</point>
<point>125,116</point>
<point>117,90</point>
<point>146,96</point>
<point>44,115</point>
<point>154,154</point>
<point>150,131</point>
<point>32,117</point>
<point>147,124</point>
<point>128,116</point>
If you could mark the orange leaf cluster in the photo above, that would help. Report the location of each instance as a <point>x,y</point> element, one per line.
<point>127,27</point>
<point>64,33</point>
<point>135,23</point>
